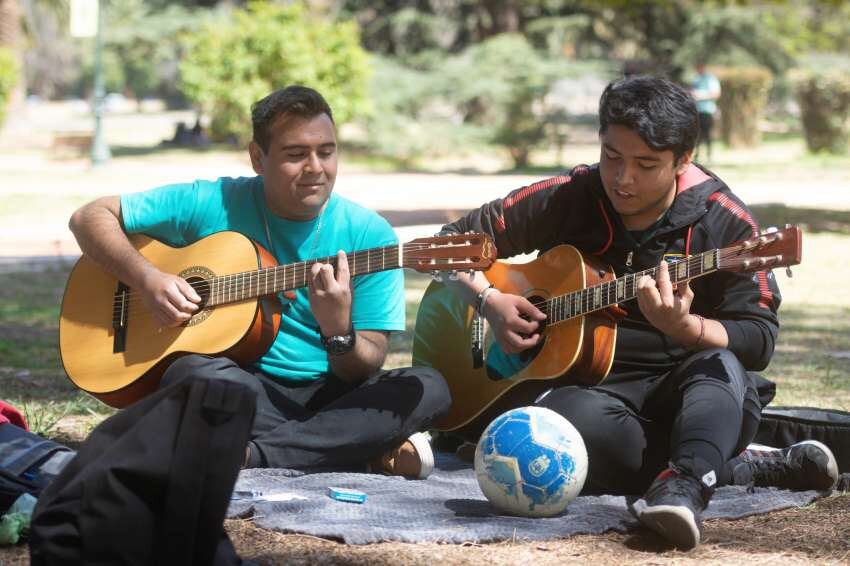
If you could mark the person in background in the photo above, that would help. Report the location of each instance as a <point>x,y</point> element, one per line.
<point>705,90</point>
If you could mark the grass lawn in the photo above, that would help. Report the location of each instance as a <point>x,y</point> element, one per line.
<point>811,365</point>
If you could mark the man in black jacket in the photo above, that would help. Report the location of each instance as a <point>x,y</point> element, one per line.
<point>679,405</point>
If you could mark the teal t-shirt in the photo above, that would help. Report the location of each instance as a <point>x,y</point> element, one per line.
<point>705,84</point>
<point>181,214</point>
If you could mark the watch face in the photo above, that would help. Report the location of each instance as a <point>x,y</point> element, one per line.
<point>336,345</point>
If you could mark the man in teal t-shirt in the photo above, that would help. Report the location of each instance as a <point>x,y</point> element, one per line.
<point>322,399</point>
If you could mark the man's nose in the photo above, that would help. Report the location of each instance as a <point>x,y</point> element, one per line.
<point>313,164</point>
<point>625,173</point>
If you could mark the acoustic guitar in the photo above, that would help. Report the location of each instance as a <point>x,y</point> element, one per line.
<point>113,348</point>
<point>580,297</point>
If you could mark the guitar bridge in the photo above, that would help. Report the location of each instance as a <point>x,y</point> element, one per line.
<point>477,343</point>
<point>121,307</point>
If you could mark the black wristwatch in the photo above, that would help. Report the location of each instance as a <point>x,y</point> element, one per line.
<point>339,345</point>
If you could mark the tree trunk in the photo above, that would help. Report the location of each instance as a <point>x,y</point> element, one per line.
<point>10,23</point>
<point>10,37</point>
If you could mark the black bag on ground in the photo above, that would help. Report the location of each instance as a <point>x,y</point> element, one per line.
<point>783,426</point>
<point>151,484</point>
<point>22,453</point>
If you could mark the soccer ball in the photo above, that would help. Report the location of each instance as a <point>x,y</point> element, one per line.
<point>531,462</point>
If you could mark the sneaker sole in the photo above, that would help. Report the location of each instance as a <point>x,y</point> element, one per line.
<point>831,463</point>
<point>675,523</point>
<point>426,455</point>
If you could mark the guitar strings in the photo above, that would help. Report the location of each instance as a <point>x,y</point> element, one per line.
<point>232,285</point>
<point>584,303</point>
<point>132,305</point>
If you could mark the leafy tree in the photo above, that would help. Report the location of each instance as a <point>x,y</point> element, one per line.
<point>10,51</point>
<point>412,118</point>
<point>500,84</point>
<point>660,37</point>
<point>230,63</point>
<point>8,78</point>
<point>146,43</point>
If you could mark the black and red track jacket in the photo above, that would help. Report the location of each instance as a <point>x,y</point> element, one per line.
<point>574,209</point>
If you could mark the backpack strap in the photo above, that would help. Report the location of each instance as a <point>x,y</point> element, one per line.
<point>21,450</point>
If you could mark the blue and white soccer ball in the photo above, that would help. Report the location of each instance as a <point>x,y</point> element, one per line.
<point>531,462</point>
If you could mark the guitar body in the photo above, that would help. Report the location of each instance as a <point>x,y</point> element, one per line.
<point>576,351</point>
<point>243,330</point>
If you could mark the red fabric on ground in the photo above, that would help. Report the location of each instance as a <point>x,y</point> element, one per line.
<point>9,414</point>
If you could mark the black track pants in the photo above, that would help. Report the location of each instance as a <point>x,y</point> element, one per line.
<point>707,408</point>
<point>328,422</point>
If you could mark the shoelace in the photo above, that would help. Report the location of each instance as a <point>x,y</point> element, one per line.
<point>770,468</point>
<point>679,486</point>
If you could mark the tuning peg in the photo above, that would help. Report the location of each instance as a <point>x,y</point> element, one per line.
<point>471,273</point>
<point>788,272</point>
<point>453,275</point>
<point>770,230</point>
<point>437,276</point>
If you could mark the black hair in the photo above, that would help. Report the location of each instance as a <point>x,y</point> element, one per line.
<point>661,112</point>
<point>295,100</point>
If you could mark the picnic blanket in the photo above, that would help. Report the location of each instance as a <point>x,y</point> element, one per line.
<point>446,507</point>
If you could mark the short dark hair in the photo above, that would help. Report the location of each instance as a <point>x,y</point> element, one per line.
<point>661,112</point>
<point>295,100</point>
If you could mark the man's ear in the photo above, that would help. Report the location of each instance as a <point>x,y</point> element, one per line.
<point>256,153</point>
<point>684,162</point>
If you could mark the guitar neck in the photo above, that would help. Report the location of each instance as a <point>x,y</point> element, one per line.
<point>603,295</point>
<point>268,281</point>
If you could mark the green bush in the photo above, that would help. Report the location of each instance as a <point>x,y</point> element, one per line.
<point>824,99</point>
<point>411,119</point>
<point>742,101</point>
<point>229,65</point>
<point>500,84</point>
<point>8,78</point>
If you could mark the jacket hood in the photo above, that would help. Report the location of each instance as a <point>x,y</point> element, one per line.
<point>694,186</point>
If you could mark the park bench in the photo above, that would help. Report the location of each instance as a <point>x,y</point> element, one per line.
<point>70,144</point>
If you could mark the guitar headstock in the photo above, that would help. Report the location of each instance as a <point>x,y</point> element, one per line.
<point>450,253</point>
<point>769,249</point>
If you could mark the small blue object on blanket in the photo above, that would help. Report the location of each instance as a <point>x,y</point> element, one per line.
<point>449,507</point>
<point>349,495</point>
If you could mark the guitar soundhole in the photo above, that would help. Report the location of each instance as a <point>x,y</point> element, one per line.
<point>528,355</point>
<point>199,277</point>
<point>500,365</point>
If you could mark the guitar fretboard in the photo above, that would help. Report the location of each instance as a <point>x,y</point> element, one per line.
<point>603,295</point>
<point>261,282</point>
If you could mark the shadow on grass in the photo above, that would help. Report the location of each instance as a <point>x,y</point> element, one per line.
<point>810,219</point>
<point>119,151</point>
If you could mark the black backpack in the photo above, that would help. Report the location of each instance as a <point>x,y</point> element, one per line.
<point>151,484</point>
<point>22,454</point>
<point>783,426</point>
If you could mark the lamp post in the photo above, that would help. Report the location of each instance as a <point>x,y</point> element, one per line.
<point>99,150</point>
